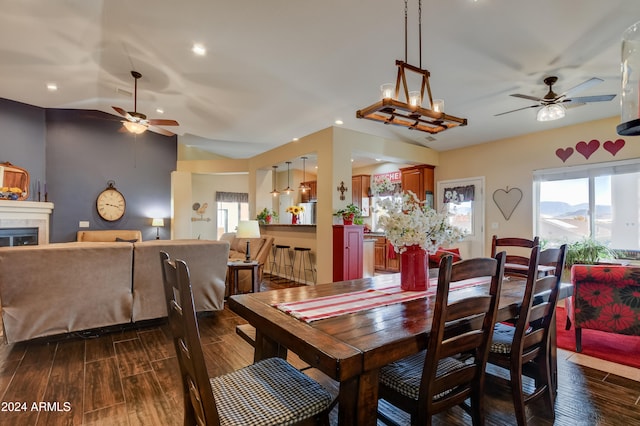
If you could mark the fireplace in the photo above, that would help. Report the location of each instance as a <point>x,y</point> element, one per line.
<point>10,237</point>
<point>24,222</point>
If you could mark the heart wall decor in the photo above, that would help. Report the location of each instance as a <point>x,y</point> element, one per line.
<point>613,147</point>
<point>507,200</point>
<point>587,149</point>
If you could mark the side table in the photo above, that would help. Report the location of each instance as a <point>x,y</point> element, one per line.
<point>235,267</point>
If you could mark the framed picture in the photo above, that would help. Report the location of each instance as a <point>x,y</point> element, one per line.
<point>428,199</point>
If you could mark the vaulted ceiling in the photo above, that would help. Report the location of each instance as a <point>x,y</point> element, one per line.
<point>280,69</point>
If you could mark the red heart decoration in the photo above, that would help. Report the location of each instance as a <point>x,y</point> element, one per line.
<point>586,149</point>
<point>613,147</point>
<point>563,154</point>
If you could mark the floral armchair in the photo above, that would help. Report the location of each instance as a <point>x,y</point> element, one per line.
<point>605,298</point>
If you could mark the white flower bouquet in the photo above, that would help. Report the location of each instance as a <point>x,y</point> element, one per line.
<point>409,222</point>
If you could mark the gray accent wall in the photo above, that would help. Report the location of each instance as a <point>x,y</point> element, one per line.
<point>76,153</point>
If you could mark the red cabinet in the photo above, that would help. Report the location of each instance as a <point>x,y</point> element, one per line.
<point>347,252</point>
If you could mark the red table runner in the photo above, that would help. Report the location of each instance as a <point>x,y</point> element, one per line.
<point>330,306</point>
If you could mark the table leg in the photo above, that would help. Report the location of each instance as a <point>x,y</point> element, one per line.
<point>254,278</point>
<point>358,400</point>
<point>267,348</point>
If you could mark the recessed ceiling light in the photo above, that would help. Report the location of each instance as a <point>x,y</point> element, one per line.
<point>339,122</point>
<point>296,139</point>
<point>52,87</point>
<point>377,159</point>
<point>199,49</point>
<point>159,110</point>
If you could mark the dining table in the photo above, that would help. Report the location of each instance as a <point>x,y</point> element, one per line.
<point>350,344</point>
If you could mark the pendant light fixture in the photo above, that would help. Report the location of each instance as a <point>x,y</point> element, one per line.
<point>410,113</point>
<point>288,189</point>
<point>303,185</point>
<point>275,192</point>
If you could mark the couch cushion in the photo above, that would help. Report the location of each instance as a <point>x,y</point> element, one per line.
<point>109,235</point>
<point>255,244</point>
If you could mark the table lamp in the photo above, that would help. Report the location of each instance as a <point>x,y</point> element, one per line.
<point>157,223</point>
<point>248,229</point>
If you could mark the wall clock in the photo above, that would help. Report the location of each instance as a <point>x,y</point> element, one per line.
<point>111,203</point>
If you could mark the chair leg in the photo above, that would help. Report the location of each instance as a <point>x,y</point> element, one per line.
<point>578,339</point>
<point>517,394</point>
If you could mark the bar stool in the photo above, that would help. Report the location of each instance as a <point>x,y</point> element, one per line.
<point>282,260</point>
<point>303,259</point>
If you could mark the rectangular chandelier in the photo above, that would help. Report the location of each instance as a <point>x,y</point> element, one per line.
<point>410,113</point>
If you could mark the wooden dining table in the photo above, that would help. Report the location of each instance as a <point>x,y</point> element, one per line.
<point>351,348</point>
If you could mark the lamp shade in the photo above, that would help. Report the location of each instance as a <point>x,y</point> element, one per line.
<point>248,229</point>
<point>136,128</point>
<point>157,222</point>
<point>551,112</point>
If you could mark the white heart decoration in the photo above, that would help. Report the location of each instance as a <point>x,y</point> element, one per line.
<point>507,201</point>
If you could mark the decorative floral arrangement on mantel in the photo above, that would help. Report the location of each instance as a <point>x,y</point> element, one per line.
<point>295,211</point>
<point>409,222</point>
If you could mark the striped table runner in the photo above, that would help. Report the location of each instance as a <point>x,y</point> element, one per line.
<point>330,306</point>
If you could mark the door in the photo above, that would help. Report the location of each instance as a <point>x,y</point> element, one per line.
<point>464,200</point>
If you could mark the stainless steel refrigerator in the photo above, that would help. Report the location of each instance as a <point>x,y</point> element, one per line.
<point>308,216</point>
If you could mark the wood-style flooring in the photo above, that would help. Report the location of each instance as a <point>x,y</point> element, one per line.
<point>130,377</point>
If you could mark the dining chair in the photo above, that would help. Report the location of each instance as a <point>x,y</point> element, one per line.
<point>452,368</point>
<point>518,259</point>
<point>524,349</point>
<point>269,392</point>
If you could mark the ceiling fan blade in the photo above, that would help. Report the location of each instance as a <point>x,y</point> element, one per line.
<point>160,131</point>
<point>585,99</point>
<point>531,98</point>
<point>582,86</point>
<point>163,122</point>
<point>122,112</point>
<point>519,109</point>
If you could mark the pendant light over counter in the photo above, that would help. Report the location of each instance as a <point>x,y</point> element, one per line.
<point>275,192</point>
<point>303,185</point>
<point>288,189</point>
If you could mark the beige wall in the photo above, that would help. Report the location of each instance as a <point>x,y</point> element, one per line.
<point>511,162</point>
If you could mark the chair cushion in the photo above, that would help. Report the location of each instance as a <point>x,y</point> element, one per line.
<point>502,338</point>
<point>404,376</point>
<point>266,393</point>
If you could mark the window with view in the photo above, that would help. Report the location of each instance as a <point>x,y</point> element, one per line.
<point>232,208</point>
<point>600,201</point>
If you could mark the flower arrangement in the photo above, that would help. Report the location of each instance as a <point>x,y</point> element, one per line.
<point>266,215</point>
<point>382,186</point>
<point>409,222</point>
<point>295,210</point>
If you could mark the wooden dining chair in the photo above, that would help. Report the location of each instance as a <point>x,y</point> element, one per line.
<point>517,259</point>
<point>525,350</point>
<point>269,392</point>
<point>452,367</point>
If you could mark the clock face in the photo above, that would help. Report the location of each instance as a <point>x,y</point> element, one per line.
<point>110,204</point>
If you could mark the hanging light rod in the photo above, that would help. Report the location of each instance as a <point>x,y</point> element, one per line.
<point>410,113</point>
<point>288,189</point>
<point>303,185</point>
<point>275,192</point>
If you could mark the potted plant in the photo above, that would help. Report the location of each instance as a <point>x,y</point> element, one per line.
<point>587,251</point>
<point>350,214</point>
<point>266,216</point>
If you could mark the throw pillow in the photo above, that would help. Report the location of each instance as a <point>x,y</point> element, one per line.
<point>434,259</point>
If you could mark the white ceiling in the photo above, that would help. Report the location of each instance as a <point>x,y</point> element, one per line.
<point>280,69</point>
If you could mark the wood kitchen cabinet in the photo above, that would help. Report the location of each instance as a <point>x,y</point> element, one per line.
<point>382,262</point>
<point>418,179</point>
<point>348,247</point>
<point>360,187</point>
<point>311,194</point>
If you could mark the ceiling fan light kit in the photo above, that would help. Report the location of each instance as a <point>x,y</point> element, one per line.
<point>551,112</point>
<point>630,104</point>
<point>410,112</point>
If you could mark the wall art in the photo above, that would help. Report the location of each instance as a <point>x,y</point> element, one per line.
<point>507,200</point>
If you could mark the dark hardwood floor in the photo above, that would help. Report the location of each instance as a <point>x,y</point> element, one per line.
<point>130,376</point>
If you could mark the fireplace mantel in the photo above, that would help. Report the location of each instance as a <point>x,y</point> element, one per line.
<point>27,214</point>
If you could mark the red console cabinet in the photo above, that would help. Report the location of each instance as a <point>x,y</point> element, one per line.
<point>347,252</point>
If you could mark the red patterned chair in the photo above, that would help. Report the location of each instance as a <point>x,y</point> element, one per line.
<point>605,298</point>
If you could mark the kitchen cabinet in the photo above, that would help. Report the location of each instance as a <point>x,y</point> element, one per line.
<point>382,262</point>
<point>348,248</point>
<point>360,187</point>
<point>311,195</point>
<point>418,179</point>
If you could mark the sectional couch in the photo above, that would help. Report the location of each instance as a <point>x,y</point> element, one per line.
<point>65,287</point>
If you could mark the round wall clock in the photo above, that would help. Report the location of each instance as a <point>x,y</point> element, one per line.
<point>111,203</point>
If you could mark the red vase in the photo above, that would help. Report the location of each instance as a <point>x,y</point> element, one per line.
<point>294,219</point>
<point>414,271</point>
<point>348,219</point>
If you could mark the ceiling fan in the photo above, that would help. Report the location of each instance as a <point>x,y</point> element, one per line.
<point>137,122</point>
<point>553,105</point>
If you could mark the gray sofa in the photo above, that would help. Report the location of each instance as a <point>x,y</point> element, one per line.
<point>65,287</point>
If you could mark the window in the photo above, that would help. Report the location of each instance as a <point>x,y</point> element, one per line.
<point>601,201</point>
<point>232,208</point>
